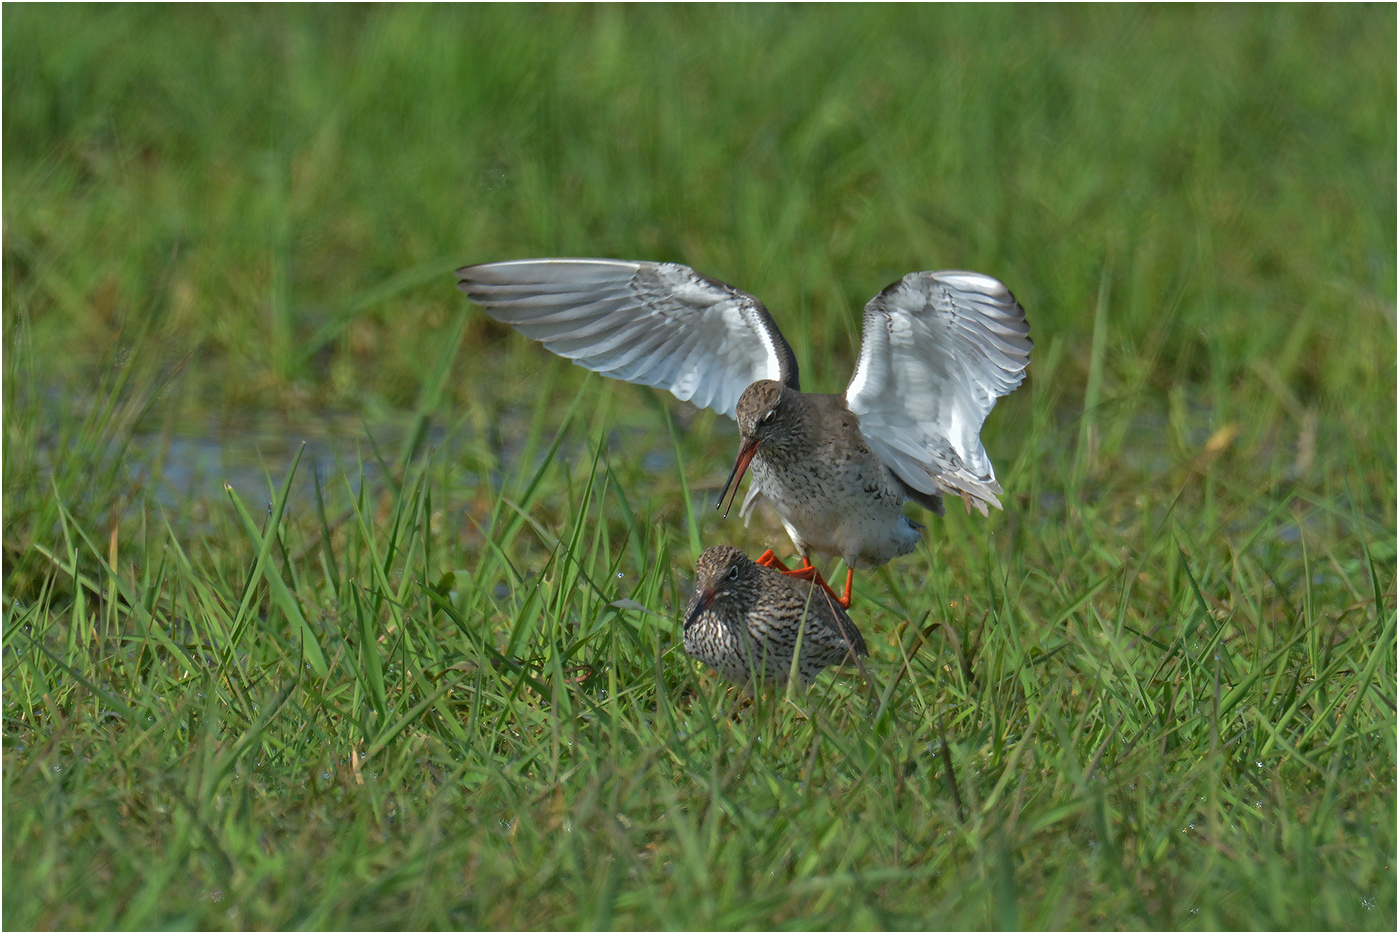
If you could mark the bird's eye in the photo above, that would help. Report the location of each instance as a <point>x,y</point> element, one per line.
<point>734,572</point>
<point>766,418</point>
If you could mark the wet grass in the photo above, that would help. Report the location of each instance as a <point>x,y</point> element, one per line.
<point>1157,691</point>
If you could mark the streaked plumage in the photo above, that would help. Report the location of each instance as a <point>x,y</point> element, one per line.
<point>938,350</point>
<point>745,619</point>
<point>816,468</point>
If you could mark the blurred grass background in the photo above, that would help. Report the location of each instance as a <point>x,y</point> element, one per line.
<point>222,216</point>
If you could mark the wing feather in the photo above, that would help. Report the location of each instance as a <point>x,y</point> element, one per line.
<point>938,350</point>
<point>658,324</point>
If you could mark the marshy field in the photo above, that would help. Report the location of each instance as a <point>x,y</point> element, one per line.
<point>330,603</point>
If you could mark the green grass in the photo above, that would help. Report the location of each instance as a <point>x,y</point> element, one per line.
<point>1157,691</point>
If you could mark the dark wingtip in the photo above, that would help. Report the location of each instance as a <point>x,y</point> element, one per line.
<point>886,292</point>
<point>851,633</point>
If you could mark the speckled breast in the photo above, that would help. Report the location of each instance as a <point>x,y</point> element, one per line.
<point>718,646</point>
<point>847,506</point>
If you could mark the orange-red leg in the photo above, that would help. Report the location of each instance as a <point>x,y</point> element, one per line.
<point>808,572</point>
<point>769,560</point>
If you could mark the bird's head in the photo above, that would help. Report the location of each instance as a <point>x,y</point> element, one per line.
<point>761,415</point>
<point>724,575</point>
<point>759,408</point>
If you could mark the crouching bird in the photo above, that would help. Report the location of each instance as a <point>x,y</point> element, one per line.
<point>747,621</point>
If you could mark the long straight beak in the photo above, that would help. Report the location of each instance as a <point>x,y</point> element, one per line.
<point>707,597</point>
<point>747,447</point>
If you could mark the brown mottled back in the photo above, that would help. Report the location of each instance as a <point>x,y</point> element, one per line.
<point>745,620</point>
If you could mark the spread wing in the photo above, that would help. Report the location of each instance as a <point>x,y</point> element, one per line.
<point>938,351</point>
<point>658,324</point>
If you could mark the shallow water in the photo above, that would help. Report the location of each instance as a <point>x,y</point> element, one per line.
<point>253,456</point>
